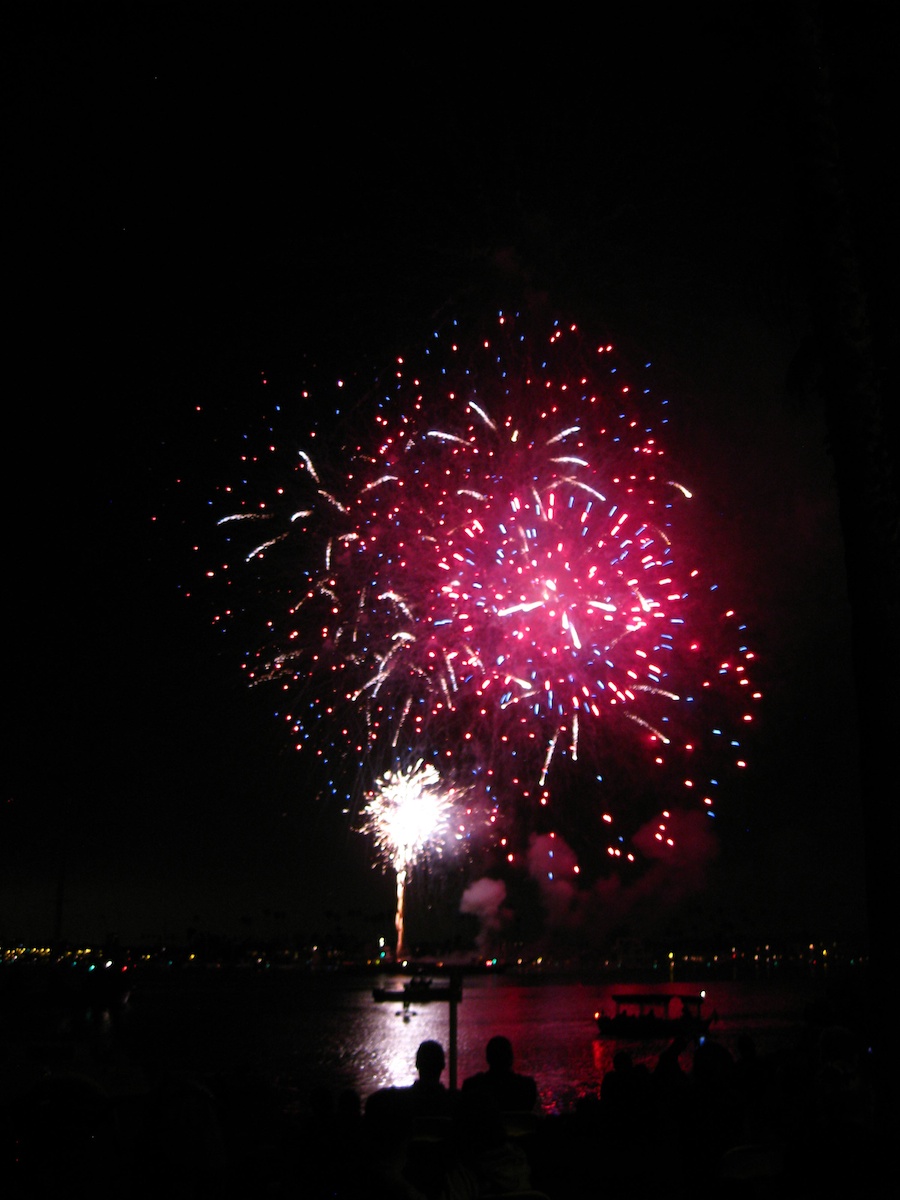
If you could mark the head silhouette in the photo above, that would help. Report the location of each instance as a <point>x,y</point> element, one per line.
<point>499,1053</point>
<point>430,1061</point>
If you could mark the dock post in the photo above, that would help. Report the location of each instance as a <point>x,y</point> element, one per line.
<point>455,996</point>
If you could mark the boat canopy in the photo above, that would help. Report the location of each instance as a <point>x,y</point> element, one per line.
<point>645,1001</point>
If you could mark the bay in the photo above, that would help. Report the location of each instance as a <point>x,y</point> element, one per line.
<point>309,1031</point>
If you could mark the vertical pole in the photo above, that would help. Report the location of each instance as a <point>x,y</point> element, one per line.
<point>453,1042</point>
<point>454,997</point>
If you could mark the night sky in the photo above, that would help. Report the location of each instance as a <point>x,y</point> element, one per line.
<point>207,197</point>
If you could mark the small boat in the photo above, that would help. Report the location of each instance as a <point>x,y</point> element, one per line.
<point>645,1016</point>
<point>420,989</point>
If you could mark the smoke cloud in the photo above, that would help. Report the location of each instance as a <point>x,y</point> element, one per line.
<point>640,904</point>
<point>485,899</point>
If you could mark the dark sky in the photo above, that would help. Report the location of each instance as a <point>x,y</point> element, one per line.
<point>208,195</point>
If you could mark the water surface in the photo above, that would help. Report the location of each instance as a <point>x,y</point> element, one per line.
<point>328,1031</point>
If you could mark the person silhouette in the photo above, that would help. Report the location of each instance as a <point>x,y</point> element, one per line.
<point>428,1096</point>
<point>409,1131</point>
<point>501,1086</point>
<point>425,1098</point>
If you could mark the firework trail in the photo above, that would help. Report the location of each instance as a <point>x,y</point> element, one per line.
<point>498,579</point>
<point>409,815</point>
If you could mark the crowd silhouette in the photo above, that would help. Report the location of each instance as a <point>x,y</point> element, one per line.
<point>698,1118</point>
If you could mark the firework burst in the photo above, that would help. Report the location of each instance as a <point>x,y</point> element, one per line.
<point>410,816</point>
<point>498,580</point>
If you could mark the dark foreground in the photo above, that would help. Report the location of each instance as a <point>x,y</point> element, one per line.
<point>808,1121</point>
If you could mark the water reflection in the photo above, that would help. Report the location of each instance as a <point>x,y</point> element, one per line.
<point>395,1034</point>
<point>551,1029</point>
<point>328,1031</point>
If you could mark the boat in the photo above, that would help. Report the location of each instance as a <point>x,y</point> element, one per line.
<point>645,1016</point>
<point>421,989</point>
